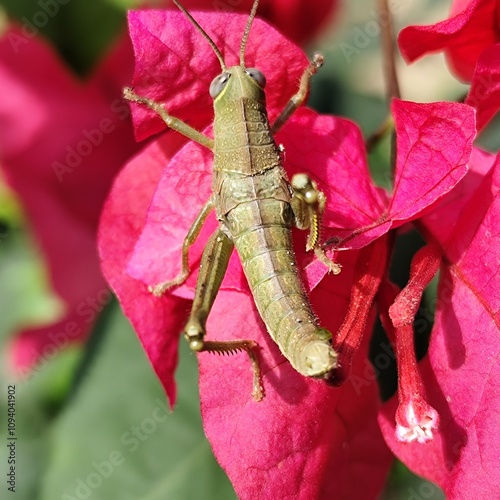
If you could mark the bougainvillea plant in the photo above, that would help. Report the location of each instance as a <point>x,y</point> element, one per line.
<point>63,178</point>
<point>462,364</point>
<point>307,439</point>
<point>298,20</point>
<point>62,141</point>
<point>470,38</point>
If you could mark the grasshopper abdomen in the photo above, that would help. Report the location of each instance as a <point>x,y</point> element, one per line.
<point>268,260</point>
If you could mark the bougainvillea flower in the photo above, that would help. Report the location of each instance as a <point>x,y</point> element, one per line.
<point>61,142</point>
<point>484,92</point>
<point>298,20</point>
<point>305,439</point>
<point>470,39</point>
<point>471,28</point>
<point>462,368</point>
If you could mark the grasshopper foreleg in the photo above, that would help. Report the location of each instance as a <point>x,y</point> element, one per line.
<point>298,99</point>
<point>308,204</point>
<point>212,269</point>
<point>190,238</point>
<point>173,122</point>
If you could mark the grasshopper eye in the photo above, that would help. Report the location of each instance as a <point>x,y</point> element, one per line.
<point>257,75</point>
<point>218,83</point>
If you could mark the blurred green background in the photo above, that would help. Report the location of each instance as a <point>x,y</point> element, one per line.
<point>93,421</point>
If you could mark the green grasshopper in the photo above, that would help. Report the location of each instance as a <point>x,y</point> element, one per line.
<point>256,207</point>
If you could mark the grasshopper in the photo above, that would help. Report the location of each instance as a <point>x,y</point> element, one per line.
<point>256,207</point>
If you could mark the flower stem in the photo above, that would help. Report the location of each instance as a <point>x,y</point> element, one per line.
<point>416,420</point>
<point>371,266</point>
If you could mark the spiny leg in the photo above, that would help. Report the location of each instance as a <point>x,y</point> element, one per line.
<point>190,238</point>
<point>173,122</point>
<point>212,269</point>
<point>298,99</point>
<point>308,204</point>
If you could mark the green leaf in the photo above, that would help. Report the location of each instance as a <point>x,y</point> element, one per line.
<point>402,483</point>
<point>29,448</point>
<point>27,299</point>
<point>81,31</point>
<point>10,208</point>
<point>117,437</point>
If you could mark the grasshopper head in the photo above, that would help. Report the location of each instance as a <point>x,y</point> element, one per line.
<point>238,82</point>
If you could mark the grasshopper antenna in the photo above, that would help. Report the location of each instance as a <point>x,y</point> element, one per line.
<point>247,32</point>
<point>203,32</point>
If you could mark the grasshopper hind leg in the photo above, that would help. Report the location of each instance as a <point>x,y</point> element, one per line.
<point>212,269</point>
<point>234,346</point>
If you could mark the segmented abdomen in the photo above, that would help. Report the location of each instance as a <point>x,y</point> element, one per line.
<point>261,231</point>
